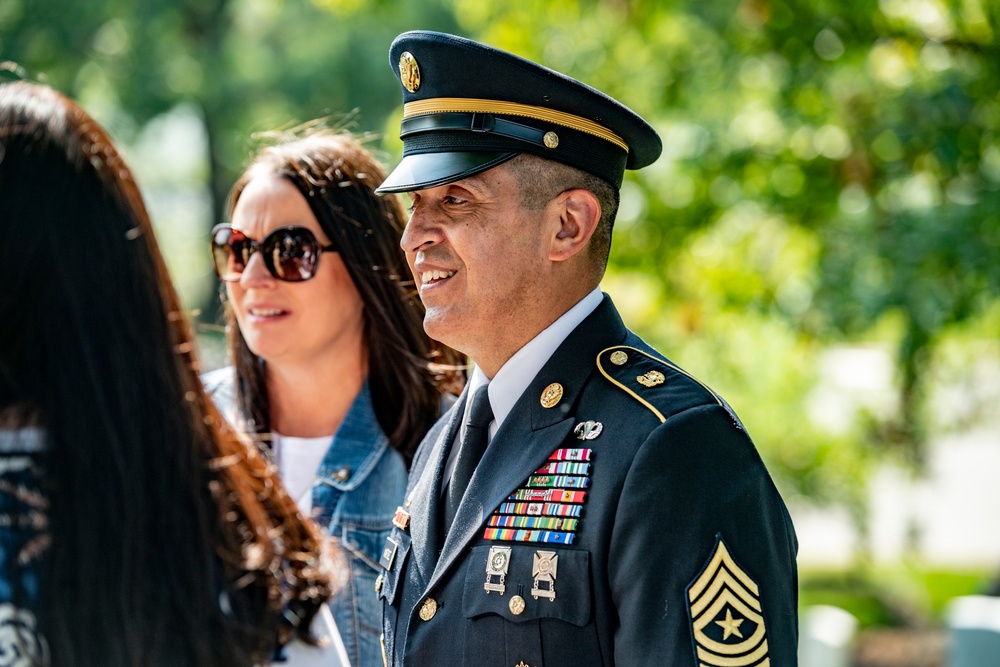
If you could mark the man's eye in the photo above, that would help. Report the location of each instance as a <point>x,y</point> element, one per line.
<point>451,199</point>
<point>412,199</point>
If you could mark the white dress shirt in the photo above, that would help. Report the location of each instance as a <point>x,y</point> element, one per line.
<point>515,375</point>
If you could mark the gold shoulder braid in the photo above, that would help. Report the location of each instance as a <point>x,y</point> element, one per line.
<point>727,619</point>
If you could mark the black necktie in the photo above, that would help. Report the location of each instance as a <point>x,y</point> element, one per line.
<point>477,431</point>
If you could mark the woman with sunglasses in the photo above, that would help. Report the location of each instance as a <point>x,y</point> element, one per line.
<point>136,528</point>
<point>332,372</point>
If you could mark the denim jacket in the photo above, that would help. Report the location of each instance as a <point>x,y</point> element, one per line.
<point>358,486</point>
<point>23,539</point>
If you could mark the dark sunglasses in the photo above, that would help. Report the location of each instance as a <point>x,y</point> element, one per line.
<point>290,253</point>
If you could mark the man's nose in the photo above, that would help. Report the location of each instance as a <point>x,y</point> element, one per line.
<point>419,231</point>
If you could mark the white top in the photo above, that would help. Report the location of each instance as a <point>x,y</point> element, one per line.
<point>514,376</point>
<point>298,460</point>
<point>329,653</point>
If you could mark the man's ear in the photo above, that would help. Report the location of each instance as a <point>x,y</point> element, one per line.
<point>578,213</point>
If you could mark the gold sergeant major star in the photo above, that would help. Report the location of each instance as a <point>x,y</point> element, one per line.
<point>731,626</point>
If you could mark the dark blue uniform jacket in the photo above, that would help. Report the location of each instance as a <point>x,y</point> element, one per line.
<point>678,553</point>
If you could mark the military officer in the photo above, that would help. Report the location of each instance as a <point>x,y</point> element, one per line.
<point>586,501</point>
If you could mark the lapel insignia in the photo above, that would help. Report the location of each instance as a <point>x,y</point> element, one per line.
<point>588,430</point>
<point>651,379</point>
<point>548,505</point>
<point>401,519</point>
<point>727,620</point>
<point>551,395</point>
<point>497,562</point>
<point>544,570</point>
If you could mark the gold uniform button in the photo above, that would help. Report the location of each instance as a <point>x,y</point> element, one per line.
<point>516,605</point>
<point>378,583</point>
<point>618,358</point>
<point>428,609</point>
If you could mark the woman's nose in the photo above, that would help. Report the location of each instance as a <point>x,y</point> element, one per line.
<point>255,273</point>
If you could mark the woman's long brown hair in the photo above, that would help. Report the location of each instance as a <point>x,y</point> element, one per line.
<point>407,371</point>
<point>172,540</point>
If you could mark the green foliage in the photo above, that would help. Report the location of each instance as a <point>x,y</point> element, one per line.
<point>831,171</point>
<point>826,166</point>
<point>890,596</point>
<point>248,65</point>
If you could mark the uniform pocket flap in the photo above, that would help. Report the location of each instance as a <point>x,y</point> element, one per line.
<point>526,583</point>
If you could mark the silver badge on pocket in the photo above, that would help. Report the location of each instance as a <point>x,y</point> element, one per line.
<point>497,562</point>
<point>544,570</point>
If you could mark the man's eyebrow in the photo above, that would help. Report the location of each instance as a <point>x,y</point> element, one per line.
<point>476,183</point>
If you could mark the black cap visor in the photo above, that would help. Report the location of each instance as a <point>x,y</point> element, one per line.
<point>427,170</point>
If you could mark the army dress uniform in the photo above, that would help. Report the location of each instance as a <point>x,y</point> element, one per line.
<point>620,515</point>
<point>629,522</point>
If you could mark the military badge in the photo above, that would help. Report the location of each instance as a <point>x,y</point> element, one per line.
<point>401,519</point>
<point>588,430</point>
<point>551,395</point>
<point>497,562</point>
<point>409,72</point>
<point>389,553</point>
<point>544,570</point>
<point>650,379</point>
<point>727,619</point>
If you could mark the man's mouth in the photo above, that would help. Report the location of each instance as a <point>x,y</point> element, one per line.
<point>431,277</point>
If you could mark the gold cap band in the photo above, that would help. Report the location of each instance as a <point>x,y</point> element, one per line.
<point>500,108</point>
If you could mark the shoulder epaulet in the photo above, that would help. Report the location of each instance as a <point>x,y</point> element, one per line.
<point>635,371</point>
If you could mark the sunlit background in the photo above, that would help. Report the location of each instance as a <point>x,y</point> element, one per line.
<point>819,241</point>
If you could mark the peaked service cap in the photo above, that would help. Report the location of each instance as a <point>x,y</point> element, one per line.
<point>468,107</point>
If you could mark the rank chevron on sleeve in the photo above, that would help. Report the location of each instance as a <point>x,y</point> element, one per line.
<point>726,614</point>
<point>547,506</point>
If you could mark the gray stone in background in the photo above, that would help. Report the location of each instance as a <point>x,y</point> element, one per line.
<point>825,637</point>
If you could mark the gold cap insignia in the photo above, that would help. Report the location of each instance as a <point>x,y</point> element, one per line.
<point>551,395</point>
<point>727,619</point>
<point>550,139</point>
<point>651,379</point>
<point>618,358</point>
<point>409,72</point>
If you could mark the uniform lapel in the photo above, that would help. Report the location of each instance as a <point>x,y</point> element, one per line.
<point>531,432</point>
<point>425,495</point>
